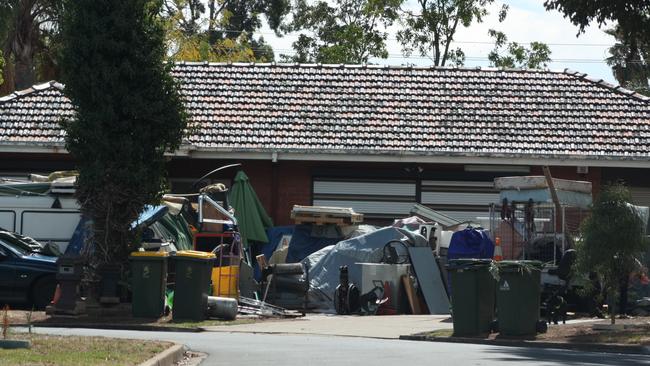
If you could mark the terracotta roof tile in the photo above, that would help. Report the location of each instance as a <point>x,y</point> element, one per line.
<point>380,109</point>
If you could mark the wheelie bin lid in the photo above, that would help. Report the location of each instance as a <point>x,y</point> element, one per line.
<point>518,265</point>
<point>145,254</point>
<point>468,263</point>
<point>195,254</point>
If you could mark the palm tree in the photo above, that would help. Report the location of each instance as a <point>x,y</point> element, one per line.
<point>29,29</point>
<point>630,61</point>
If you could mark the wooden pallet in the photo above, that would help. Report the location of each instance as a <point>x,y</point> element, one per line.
<point>325,215</point>
<point>320,220</point>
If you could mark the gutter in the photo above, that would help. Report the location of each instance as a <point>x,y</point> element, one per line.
<point>191,151</point>
<point>33,149</point>
<point>422,159</point>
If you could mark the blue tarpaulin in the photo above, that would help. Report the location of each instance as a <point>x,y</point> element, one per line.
<point>303,243</point>
<point>470,243</point>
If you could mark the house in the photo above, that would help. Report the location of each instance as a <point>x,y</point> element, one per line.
<point>375,138</point>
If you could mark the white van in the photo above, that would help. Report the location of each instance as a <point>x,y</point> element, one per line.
<point>45,211</point>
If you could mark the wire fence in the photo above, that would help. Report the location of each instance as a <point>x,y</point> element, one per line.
<point>536,232</point>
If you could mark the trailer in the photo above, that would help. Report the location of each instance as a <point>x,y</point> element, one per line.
<point>39,207</point>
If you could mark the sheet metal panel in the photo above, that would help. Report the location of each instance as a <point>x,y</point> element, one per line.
<point>430,280</point>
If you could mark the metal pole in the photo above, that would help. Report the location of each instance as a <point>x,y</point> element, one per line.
<point>492,228</point>
<point>563,230</point>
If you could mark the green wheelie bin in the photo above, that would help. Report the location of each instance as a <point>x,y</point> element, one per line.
<point>472,296</point>
<point>148,283</point>
<point>518,298</point>
<point>193,275</point>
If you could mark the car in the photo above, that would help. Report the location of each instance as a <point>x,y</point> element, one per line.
<point>26,276</point>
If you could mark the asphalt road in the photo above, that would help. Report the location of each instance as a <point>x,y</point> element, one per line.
<point>303,350</point>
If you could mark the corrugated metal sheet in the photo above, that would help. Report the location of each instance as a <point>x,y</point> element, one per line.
<point>364,188</point>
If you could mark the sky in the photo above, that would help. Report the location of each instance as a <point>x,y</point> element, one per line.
<point>527,21</point>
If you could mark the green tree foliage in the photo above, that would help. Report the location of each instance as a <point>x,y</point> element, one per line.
<point>633,16</point>
<point>431,31</point>
<point>2,66</point>
<point>630,61</point>
<point>347,31</point>
<point>29,32</point>
<point>221,30</point>
<point>128,113</point>
<point>515,55</point>
<point>612,239</point>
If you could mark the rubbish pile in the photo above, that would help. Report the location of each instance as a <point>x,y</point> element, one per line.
<point>216,253</point>
<point>351,268</point>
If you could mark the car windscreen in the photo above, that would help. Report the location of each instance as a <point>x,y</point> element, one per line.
<point>16,249</point>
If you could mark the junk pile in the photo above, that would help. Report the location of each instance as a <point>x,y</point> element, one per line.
<point>213,278</point>
<point>341,266</point>
<point>216,253</point>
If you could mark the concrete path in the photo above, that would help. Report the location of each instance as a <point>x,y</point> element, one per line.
<point>387,327</point>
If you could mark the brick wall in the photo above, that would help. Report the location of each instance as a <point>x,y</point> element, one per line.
<point>294,187</point>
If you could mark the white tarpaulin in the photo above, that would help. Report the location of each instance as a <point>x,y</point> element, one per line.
<point>324,264</point>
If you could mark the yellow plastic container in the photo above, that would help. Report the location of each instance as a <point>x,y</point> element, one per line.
<point>225,281</point>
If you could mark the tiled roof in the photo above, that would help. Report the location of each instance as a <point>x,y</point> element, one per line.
<point>383,110</point>
<point>33,115</point>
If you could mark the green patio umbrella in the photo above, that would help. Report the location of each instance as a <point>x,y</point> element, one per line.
<point>252,219</point>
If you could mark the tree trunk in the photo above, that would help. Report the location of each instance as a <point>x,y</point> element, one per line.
<point>22,46</point>
<point>8,76</point>
<point>611,303</point>
<point>24,74</point>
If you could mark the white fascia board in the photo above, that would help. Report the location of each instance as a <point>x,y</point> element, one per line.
<point>33,149</point>
<point>228,154</point>
<point>423,159</point>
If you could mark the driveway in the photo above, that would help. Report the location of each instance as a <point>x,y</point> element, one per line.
<point>387,327</point>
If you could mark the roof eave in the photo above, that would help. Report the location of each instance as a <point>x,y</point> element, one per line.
<point>429,158</point>
<point>32,148</point>
<point>371,157</point>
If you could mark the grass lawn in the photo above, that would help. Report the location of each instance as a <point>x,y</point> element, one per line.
<point>91,351</point>
<point>441,333</point>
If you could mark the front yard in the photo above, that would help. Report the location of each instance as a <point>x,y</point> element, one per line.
<point>49,350</point>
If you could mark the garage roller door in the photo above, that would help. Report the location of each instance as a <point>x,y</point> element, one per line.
<point>462,200</point>
<point>373,198</point>
<point>641,197</point>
